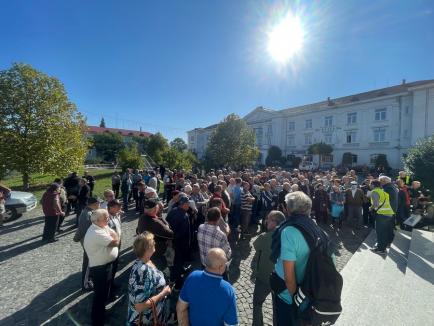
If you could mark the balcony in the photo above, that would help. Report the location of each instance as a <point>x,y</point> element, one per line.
<point>350,145</point>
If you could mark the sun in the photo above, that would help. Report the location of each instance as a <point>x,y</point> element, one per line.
<point>285,39</point>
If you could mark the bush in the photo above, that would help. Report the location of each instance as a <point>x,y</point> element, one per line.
<point>381,161</point>
<point>420,162</point>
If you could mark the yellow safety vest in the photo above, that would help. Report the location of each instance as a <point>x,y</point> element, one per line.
<point>407,179</point>
<point>384,203</point>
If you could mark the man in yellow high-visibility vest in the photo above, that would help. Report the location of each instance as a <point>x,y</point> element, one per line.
<point>384,219</point>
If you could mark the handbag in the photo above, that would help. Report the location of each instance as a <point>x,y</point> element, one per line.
<point>156,321</point>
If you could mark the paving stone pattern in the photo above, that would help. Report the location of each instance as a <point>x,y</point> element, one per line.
<point>40,283</point>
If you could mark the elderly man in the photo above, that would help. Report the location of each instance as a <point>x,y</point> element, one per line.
<point>290,252</point>
<point>207,299</point>
<point>264,266</point>
<point>114,208</point>
<point>101,245</point>
<point>210,236</point>
<point>84,222</point>
<point>151,222</point>
<point>179,223</point>
<point>354,199</point>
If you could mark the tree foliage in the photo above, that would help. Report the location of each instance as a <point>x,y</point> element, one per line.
<point>347,159</point>
<point>142,143</point>
<point>274,156</point>
<point>129,157</point>
<point>108,145</point>
<point>41,130</point>
<point>381,161</point>
<point>102,123</point>
<point>179,144</point>
<point>420,162</point>
<point>157,145</point>
<point>232,144</point>
<point>174,159</point>
<point>320,149</point>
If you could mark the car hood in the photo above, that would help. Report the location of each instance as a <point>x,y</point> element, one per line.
<point>20,194</point>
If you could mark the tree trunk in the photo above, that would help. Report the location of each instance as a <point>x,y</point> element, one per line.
<point>26,184</point>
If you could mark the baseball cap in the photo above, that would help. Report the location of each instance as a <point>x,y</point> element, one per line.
<point>150,203</point>
<point>148,190</point>
<point>354,183</point>
<point>183,200</point>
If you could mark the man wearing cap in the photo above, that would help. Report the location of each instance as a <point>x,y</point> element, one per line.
<point>354,199</point>
<point>84,223</point>
<point>180,224</point>
<point>151,222</point>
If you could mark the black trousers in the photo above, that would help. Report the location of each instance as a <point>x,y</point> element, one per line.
<point>181,256</point>
<point>50,227</point>
<point>101,276</point>
<point>115,188</point>
<point>85,277</point>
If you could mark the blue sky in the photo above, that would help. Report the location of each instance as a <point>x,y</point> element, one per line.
<point>171,66</point>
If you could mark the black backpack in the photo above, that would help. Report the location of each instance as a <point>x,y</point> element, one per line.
<point>318,297</point>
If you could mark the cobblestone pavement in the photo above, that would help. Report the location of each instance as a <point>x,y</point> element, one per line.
<point>40,283</point>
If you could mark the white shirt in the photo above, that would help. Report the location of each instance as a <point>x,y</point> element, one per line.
<point>96,243</point>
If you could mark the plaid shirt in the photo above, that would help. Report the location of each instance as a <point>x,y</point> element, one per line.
<point>210,236</point>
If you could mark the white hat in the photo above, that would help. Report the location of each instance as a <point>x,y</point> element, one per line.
<point>148,190</point>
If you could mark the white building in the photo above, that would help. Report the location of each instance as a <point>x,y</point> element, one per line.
<point>384,121</point>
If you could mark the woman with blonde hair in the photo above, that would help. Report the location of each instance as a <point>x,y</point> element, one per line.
<point>147,289</point>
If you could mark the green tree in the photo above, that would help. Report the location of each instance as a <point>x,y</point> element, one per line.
<point>102,123</point>
<point>274,156</point>
<point>41,130</point>
<point>157,145</point>
<point>174,159</point>
<point>232,144</point>
<point>179,144</point>
<point>381,161</point>
<point>420,162</point>
<point>320,149</point>
<point>108,145</point>
<point>142,143</point>
<point>129,157</point>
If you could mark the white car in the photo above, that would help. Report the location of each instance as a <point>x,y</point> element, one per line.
<point>18,203</point>
<point>307,166</point>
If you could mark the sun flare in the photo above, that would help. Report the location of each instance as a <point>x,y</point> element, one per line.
<point>286,39</point>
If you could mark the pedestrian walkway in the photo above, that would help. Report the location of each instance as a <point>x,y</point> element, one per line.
<point>40,283</point>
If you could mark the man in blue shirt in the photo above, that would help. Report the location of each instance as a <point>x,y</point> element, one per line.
<point>207,299</point>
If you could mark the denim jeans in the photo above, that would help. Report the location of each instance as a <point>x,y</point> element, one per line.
<point>384,229</point>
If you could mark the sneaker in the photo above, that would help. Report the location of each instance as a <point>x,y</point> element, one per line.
<point>379,252</point>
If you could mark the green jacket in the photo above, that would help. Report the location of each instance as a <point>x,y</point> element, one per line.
<point>263,265</point>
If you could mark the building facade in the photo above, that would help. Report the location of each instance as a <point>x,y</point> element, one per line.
<point>384,121</point>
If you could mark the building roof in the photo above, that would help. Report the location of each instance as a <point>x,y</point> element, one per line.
<point>387,91</point>
<point>123,132</point>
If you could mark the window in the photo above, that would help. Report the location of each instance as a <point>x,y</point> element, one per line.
<point>351,118</point>
<point>380,114</point>
<point>308,139</point>
<point>351,137</point>
<point>308,124</point>
<point>290,140</point>
<point>328,121</point>
<point>379,134</point>
<point>291,126</point>
<point>191,138</point>
<point>258,136</point>
<point>327,158</point>
<point>407,108</point>
<point>328,138</point>
<point>405,133</point>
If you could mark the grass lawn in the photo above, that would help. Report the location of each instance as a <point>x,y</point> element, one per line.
<point>39,182</point>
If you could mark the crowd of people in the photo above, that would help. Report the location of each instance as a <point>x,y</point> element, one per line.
<point>181,214</point>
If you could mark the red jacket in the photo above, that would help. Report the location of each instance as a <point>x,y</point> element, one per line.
<point>51,204</point>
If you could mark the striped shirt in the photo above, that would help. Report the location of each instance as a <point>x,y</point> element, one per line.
<point>246,204</point>
<point>210,236</point>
